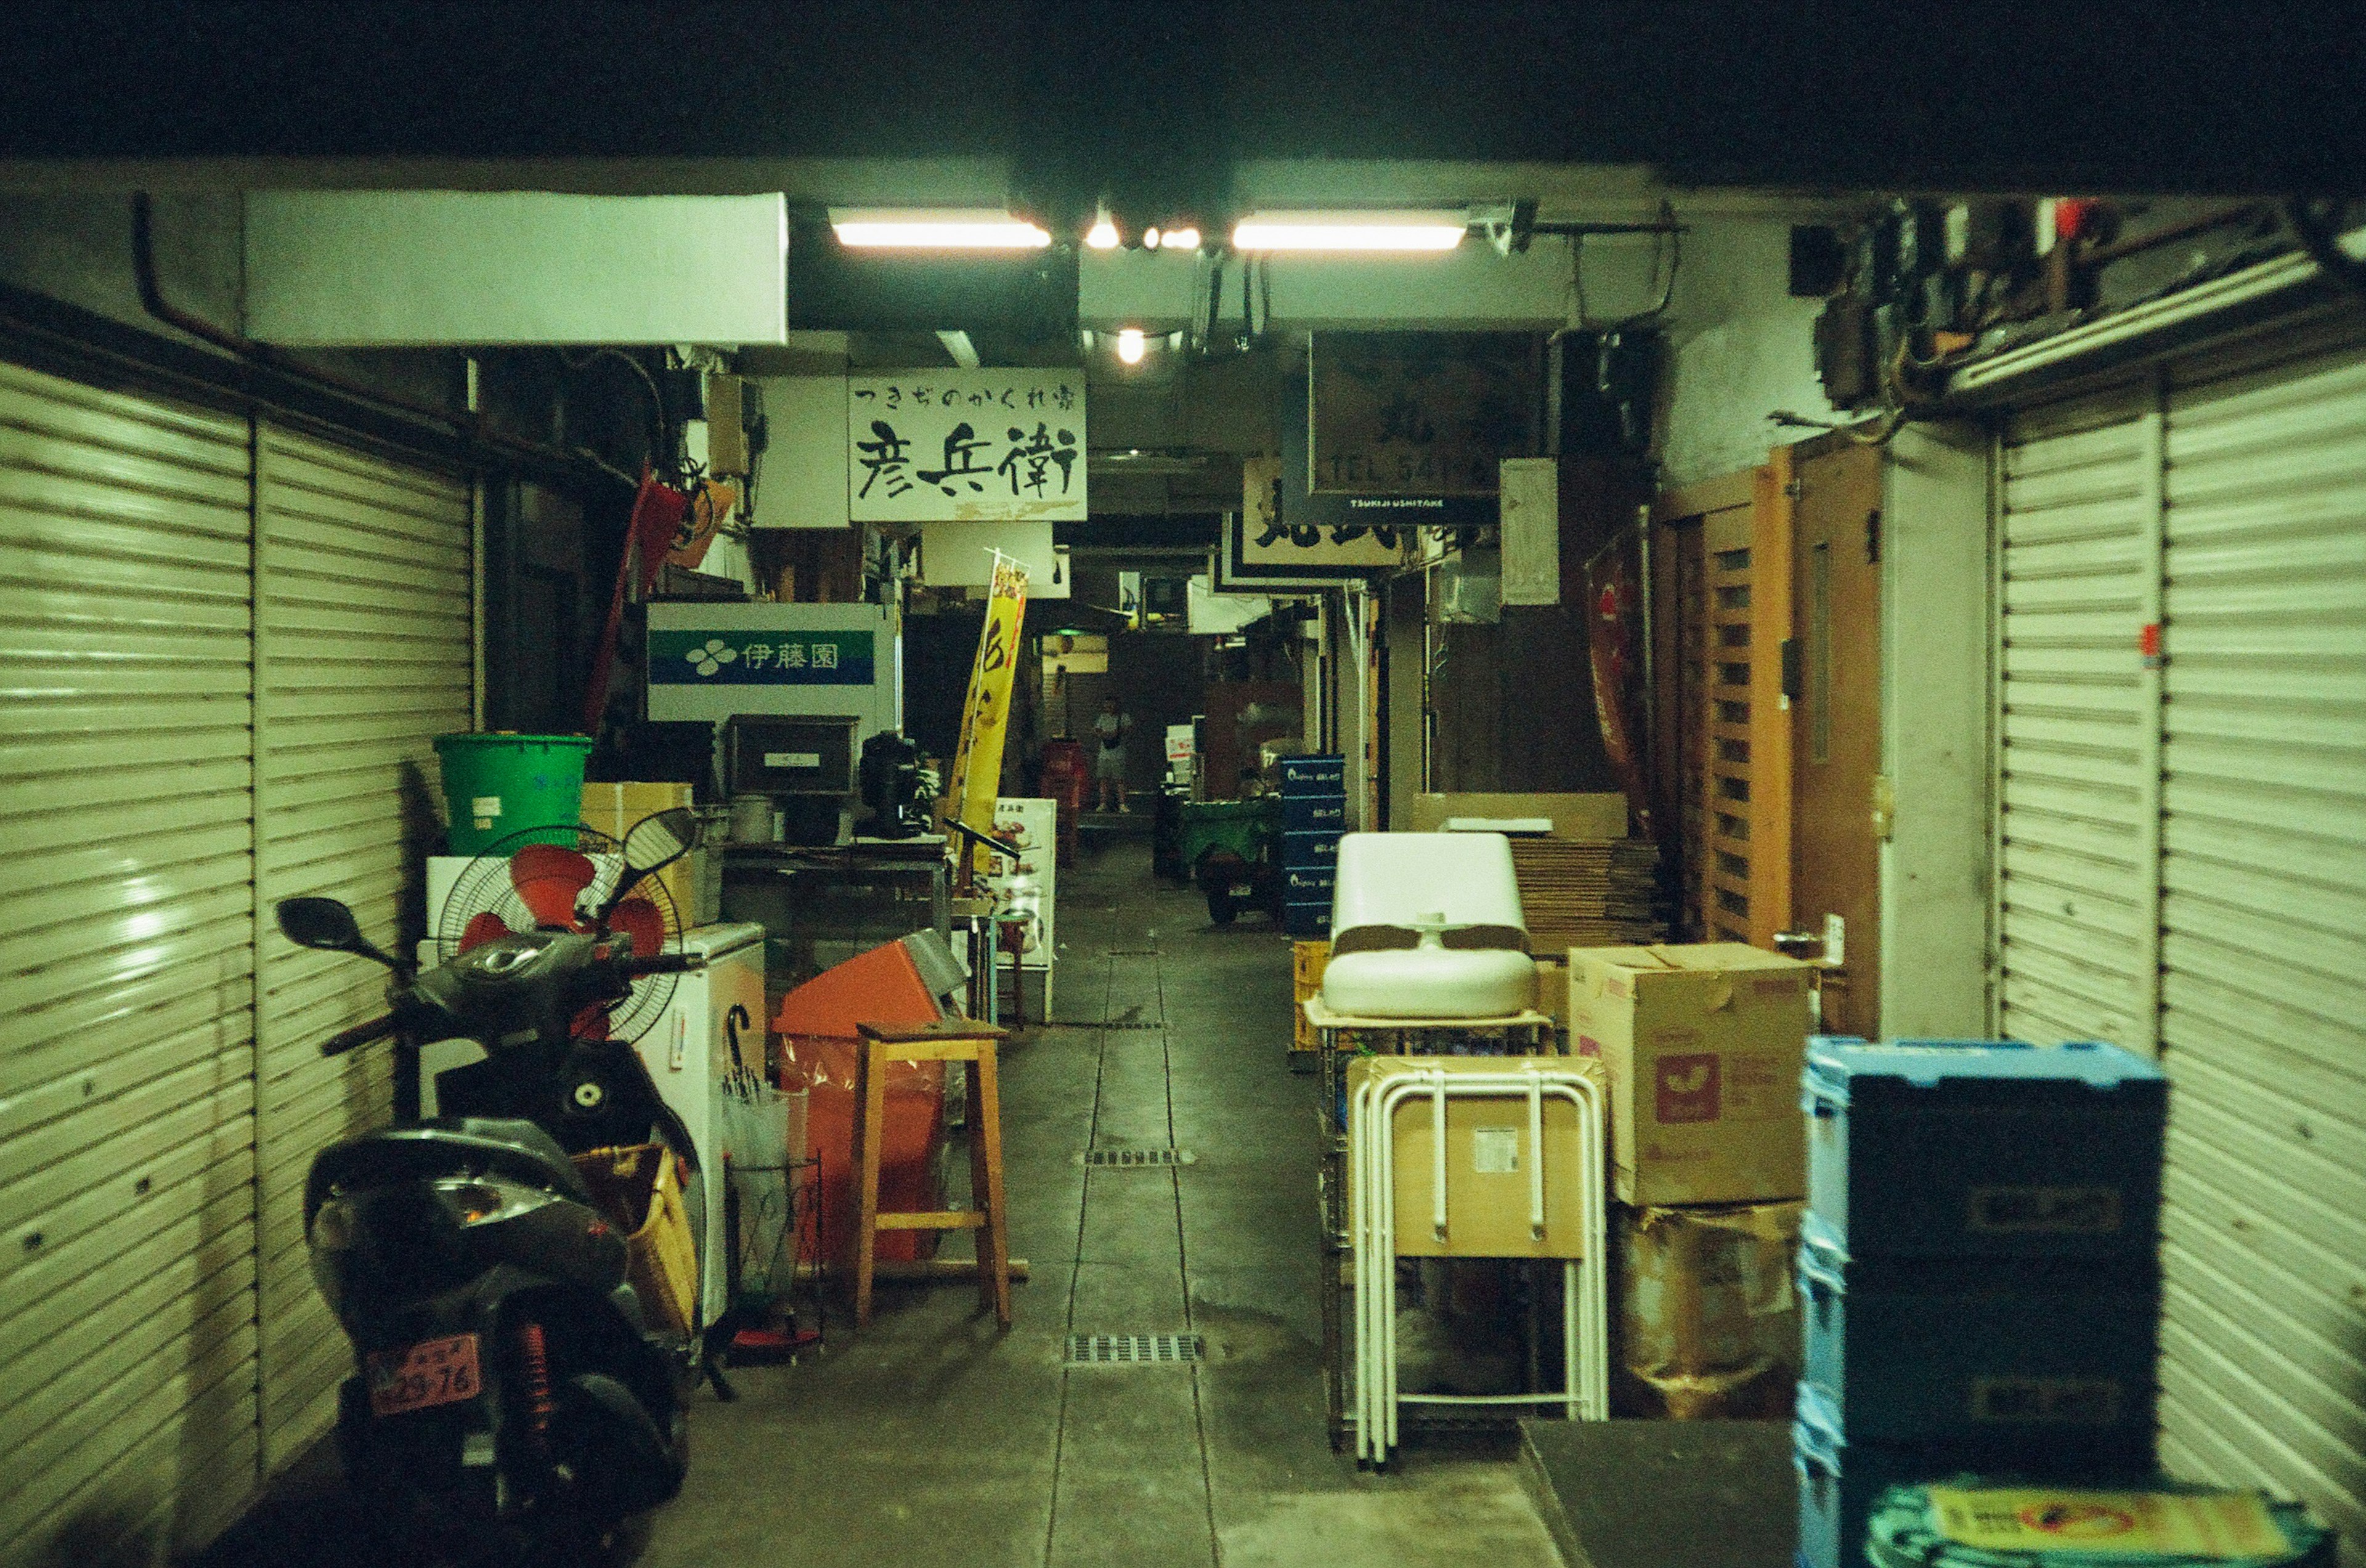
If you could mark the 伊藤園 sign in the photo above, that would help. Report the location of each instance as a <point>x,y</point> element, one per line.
<point>725,656</point>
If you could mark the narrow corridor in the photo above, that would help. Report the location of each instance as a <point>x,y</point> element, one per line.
<point>931,1439</point>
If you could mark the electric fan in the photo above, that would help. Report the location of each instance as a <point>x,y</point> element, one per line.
<point>524,883</point>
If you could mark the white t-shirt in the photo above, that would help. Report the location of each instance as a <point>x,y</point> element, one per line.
<point>1112,728</point>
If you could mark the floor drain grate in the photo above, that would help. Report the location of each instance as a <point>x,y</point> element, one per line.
<point>1127,1024</point>
<point>1135,1349</point>
<point>1132,952</point>
<point>1134,1159</point>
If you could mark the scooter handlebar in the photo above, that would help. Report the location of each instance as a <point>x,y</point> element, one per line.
<point>359,1035</point>
<point>666,963</point>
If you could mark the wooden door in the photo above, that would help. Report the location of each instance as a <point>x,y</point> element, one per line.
<point>1833,677</point>
<point>1718,624</point>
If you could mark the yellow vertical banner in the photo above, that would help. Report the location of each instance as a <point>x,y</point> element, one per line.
<point>986,715</point>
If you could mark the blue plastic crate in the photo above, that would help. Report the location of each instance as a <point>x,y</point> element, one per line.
<point>1311,851</point>
<point>1308,920</point>
<point>1842,1479</point>
<point>1314,813</point>
<point>1325,773</point>
<point>1302,885</point>
<point>1956,1148</point>
<point>2048,1351</point>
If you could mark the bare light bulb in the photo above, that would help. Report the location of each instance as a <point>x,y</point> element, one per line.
<point>1129,345</point>
<point>1152,239</point>
<point>1102,235</point>
<point>1181,240</point>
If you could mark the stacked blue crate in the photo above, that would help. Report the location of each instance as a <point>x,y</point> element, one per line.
<point>1978,1269</point>
<point>1314,814</point>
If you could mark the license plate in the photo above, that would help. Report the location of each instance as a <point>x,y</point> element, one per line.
<point>1243,891</point>
<point>433,1372</point>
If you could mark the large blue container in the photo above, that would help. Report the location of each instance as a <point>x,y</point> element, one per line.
<point>1314,813</point>
<point>1307,920</point>
<point>1323,774</point>
<point>1311,850</point>
<point>1960,1149</point>
<point>1307,884</point>
<point>1842,1479</point>
<point>2048,1351</point>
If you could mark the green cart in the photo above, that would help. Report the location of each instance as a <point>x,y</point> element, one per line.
<point>1228,851</point>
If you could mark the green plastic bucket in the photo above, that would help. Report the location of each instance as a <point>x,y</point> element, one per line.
<point>498,785</point>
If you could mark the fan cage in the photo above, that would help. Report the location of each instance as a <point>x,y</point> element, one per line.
<point>484,886</point>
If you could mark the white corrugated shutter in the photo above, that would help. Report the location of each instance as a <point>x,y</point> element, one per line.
<point>366,642</point>
<point>127,1340</point>
<point>2263,946</point>
<point>2076,736</point>
<point>2183,861</point>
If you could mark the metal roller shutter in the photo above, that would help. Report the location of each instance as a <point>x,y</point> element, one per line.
<point>127,1338</point>
<point>2263,918</point>
<point>366,644</point>
<point>2182,857</point>
<point>2076,820</point>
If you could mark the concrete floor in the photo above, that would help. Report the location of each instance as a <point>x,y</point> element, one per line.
<point>931,1438</point>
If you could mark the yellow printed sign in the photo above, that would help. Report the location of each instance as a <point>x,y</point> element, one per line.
<point>2207,1524</point>
<point>985,717</point>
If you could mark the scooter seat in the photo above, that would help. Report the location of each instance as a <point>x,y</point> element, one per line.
<point>446,1146</point>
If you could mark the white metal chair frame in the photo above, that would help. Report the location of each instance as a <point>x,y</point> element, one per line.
<point>1585,1352</point>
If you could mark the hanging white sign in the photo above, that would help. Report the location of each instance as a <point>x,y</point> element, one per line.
<point>946,446</point>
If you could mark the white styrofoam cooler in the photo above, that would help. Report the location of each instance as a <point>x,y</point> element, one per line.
<point>1397,896</point>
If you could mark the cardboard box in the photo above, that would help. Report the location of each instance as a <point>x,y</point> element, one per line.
<point>1573,816</point>
<point>1487,1155</point>
<point>1708,1318</point>
<point>1552,991</point>
<point>694,882</point>
<point>1307,961</point>
<point>1704,1045</point>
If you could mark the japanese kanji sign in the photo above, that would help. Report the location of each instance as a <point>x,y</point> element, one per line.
<point>985,713</point>
<point>1420,413</point>
<point>728,658</point>
<point>941,445</point>
<point>1301,543</point>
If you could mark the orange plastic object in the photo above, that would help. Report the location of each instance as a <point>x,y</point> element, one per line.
<point>550,879</point>
<point>878,986</point>
<point>819,1051</point>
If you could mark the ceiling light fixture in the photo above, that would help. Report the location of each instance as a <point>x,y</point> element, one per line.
<point>1325,230</point>
<point>1150,238</point>
<point>1103,235</point>
<point>1129,345</point>
<point>948,228</point>
<point>1184,239</point>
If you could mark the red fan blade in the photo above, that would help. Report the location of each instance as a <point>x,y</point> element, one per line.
<point>482,929</point>
<point>638,918</point>
<point>591,1023</point>
<point>550,879</point>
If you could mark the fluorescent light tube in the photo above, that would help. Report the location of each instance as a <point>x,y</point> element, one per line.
<point>1319,230</point>
<point>950,228</point>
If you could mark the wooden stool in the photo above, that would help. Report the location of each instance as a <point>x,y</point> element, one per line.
<point>947,1040</point>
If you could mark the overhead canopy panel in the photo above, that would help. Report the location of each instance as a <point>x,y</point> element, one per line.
<point>424,267</point>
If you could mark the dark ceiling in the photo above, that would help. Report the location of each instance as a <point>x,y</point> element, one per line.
<point>1154,102</point>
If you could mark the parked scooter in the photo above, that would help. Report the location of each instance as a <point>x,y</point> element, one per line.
<point>509,1392</point>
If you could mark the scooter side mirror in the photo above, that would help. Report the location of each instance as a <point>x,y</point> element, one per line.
<point>326,925</point>
<point>660,839</point>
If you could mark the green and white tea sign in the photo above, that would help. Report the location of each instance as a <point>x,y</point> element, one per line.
<point>722,656</point>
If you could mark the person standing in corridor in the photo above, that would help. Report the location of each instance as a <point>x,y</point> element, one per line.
<point>1109,765</point>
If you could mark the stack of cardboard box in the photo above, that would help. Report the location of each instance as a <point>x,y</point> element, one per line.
<point>1703,1046</point>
